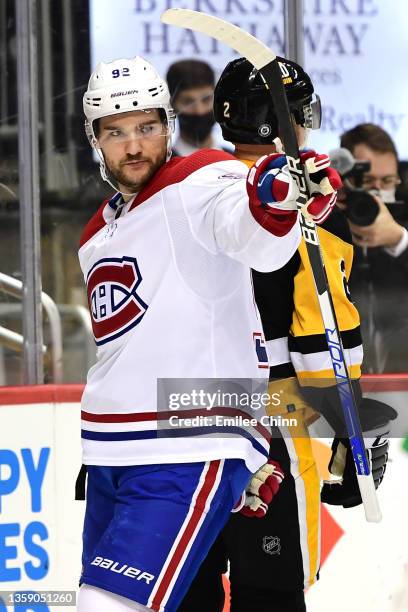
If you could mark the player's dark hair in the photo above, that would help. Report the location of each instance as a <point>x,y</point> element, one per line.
<point>96,127</point>
<point>186,74</point>
<point>371,135</point>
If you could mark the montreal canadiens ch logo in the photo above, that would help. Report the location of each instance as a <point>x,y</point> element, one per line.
<point>114,304</point>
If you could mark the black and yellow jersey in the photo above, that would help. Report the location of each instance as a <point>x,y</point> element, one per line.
<point>290,312</point>
<point>298,355</point>
<point>297,351</point>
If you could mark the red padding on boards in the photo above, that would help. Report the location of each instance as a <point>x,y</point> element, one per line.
<point>40,394</point>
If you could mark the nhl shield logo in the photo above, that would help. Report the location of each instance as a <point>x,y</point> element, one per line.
<point>113,302</point>
<point>271,545</point>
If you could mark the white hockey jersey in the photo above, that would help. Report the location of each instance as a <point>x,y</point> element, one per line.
<point>170,294</point>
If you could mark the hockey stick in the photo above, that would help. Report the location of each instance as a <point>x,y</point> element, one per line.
<point>265,61</point>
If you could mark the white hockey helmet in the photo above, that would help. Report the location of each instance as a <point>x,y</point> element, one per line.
<point>119,87</point>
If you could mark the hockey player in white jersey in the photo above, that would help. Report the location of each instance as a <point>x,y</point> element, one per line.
<point>166,263</point>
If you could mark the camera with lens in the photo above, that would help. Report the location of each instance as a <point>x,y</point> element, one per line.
<point>361,206</point>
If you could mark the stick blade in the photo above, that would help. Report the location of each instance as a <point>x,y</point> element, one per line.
<point>244,43</point>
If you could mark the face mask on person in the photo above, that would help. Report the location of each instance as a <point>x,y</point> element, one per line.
<point>196,128</point>
<point>387,195</point>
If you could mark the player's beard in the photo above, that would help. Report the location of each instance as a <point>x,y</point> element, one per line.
<point>122,173</point>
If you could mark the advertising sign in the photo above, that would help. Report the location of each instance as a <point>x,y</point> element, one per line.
<point>355,51</point>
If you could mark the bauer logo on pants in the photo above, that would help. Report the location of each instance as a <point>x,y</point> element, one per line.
<point>271,545</point>
<point>122,568</point>
<point>113,302</point>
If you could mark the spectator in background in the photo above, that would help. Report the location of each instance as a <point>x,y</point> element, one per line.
<point>379,278</point>
<point>191,84</point>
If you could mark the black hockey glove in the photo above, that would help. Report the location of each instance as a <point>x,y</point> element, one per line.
<point>375,420</point>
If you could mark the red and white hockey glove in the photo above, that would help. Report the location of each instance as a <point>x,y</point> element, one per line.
<point>261,489</point>
<point>272,194</point>
<point>324,183</point>
<point>270,186</point>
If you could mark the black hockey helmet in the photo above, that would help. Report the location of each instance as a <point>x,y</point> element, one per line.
<point>244,108</point>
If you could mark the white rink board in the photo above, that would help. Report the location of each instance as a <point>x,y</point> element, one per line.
<point>45,508</point>
<point>366,571</point>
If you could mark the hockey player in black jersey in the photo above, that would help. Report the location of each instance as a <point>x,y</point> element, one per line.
<point>272,561</point>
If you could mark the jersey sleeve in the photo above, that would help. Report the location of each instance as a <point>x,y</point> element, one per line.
<point>216,203</point>
<point>274,295</point>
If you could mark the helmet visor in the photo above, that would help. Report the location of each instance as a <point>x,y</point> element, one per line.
<point>312,113</point>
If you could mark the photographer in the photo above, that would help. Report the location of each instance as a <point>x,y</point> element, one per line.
<point>378,222</point>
